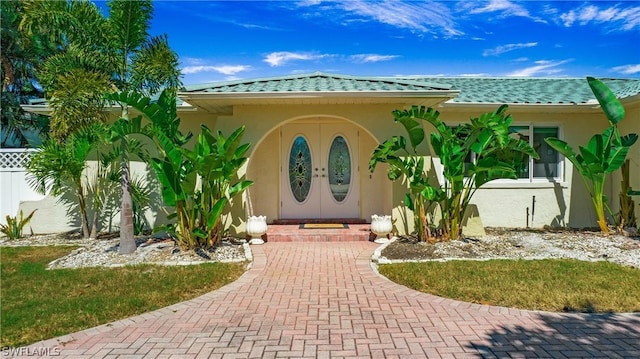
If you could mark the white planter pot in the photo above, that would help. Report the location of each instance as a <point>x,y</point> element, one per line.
<point>381,226</point>
<point>256,227</point>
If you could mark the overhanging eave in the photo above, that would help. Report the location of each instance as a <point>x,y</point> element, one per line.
<point>223,103</point>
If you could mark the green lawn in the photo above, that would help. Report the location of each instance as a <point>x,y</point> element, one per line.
<point>39,304</point>
<point>549,285</point>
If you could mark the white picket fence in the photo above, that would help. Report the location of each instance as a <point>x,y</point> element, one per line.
<point>13,184</point>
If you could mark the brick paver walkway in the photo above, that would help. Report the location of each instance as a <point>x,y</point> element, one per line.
<point>323,300</point>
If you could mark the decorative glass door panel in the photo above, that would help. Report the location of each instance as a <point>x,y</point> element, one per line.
<point>339,168</point>
<point>300,169</point>
<point>319,171</point>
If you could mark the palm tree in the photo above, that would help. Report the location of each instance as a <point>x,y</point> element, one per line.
<point>115,53</point>
<point>19,58</point>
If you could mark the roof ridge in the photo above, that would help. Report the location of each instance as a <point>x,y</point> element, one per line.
<point>402,81</point>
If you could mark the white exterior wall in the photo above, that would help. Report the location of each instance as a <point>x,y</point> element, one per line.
<point>13,183</point>
<point>56,214</point>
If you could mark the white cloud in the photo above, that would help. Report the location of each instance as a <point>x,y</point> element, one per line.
<point>280,58</point>
<point>506,48</point>
<point>225,69</point>
<point>619,18</point>
<point>501,5</point>
<point>541,67</point>
<point>423,16</point>
<point>192,60</point>
<point>504,7</point>
<point>627,69</point>
<point>362,58</point>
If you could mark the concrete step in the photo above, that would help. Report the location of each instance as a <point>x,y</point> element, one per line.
<point>294,233</point>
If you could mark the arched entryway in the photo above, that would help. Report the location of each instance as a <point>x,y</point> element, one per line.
<point>319,169</point>
<point>346,191</point>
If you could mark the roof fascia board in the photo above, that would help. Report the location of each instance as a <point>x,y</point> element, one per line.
<point>532,107</point>
<point>315,94</point>
<point>46,110</point>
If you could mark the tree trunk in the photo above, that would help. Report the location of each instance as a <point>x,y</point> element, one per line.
<point>83,212</point>
<point>127,242</point>
<point>94,226</point>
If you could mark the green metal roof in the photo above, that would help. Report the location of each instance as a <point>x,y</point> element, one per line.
<point>532,90</point>
<point>471,89</point>
<point>318,82</point>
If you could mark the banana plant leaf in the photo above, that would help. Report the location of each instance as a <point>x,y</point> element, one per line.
<point>169,182</point>
<point>413,128</point>
<point>610,104</point>
<point>628,140</point>
<point>616,158</point>
<point>239,187</point>
<point>216,211</point>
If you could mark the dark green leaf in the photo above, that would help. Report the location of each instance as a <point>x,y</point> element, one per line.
<point>610,104</point>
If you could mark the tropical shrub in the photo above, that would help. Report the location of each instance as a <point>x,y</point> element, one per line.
<point>15,225</point>
<point>59,166</point>
<point>472,154</point>
<point>196,184</point>
<point>140,196</point>
<point>604,154</point>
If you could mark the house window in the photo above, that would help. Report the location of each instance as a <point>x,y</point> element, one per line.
<point>549,164</point>
<point>548,167</point>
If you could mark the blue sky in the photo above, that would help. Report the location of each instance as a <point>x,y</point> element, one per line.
<point>227,40</point>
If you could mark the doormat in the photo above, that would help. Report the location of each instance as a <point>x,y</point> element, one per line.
<point>324,226</point>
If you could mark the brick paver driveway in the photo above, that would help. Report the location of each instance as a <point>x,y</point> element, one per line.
<point>323,300</point>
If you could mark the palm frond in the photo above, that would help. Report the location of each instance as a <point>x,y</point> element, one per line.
<point>128,24</point>
<point>155,66</point>
<point>77,101</point>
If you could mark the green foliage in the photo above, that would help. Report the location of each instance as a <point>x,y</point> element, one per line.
<point>61,166</point>
<point>140,195</point>
<point>404,161</point>
<point>486,140</point>
<point>199,183</point>
<point>20,56</point>
<point>77,101</point>
<point>15,225</point>
<point>604,153</point>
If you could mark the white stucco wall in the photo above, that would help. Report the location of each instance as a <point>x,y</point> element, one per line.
<point>56,214</point>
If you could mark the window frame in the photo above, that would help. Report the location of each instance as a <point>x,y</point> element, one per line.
<point>538,180</point>
<point>530,181</point>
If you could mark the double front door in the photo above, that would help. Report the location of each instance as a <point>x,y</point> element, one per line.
<point>319,171</point>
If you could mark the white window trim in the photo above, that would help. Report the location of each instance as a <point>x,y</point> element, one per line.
<point>536,181</point>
